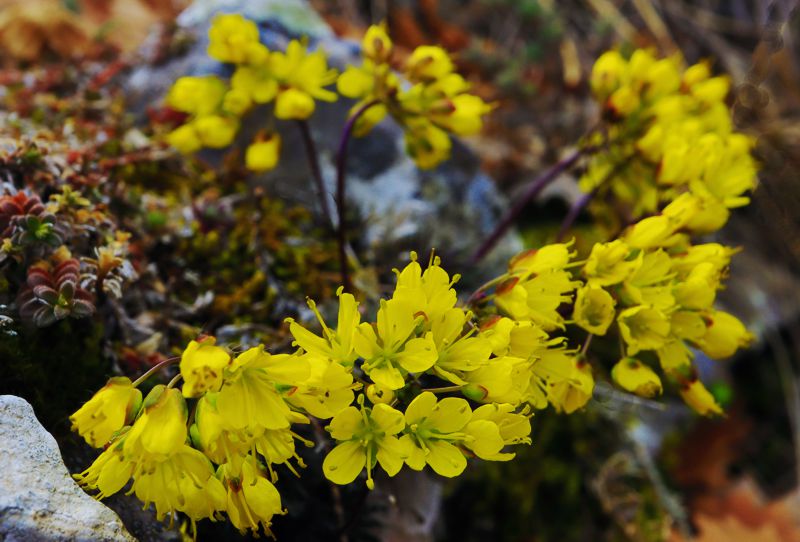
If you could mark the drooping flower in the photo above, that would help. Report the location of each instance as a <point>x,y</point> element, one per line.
<point>160,430</point>
<point>634,376</point>
<point>594,309</point>
<point>202,365</point>
<point>182,482</point>
<point>250,396</point>
<point>112,407</point>
<point>643,328</point>
<point>263,155</point>
<point>252,500</point>
<point>725,334</point>
<point>699,398</point>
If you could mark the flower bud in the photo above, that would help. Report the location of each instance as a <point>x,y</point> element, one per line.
<point>378,394</point>
<point>632,375</point>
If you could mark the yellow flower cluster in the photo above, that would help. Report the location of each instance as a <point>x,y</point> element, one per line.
<point>293,80</point>
<point>434,104</point>
<point>419,338</point>
<point>219,460</point>
<point>651,286</point>
<point>668,132</point>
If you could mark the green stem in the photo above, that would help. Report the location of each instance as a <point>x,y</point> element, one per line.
<point>154,369</point>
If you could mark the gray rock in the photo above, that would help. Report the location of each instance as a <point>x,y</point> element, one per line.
<point>39,500</point>
<point>399,207</point>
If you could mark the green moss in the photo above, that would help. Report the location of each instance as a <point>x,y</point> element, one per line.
<point>55,369</point>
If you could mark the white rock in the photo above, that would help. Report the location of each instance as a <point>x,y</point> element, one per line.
<point>39,500</point>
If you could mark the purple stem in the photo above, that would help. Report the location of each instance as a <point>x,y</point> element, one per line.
<point>316,171</point>
<point>531,192</point>
<point>341,167</point>
<point>574,211</point>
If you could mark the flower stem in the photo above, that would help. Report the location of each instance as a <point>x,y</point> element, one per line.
<point>574,212</point>
<point>154,369</point>
<point>341,207</point>
<point>533,189</point>
<point>478,294</point>
<point>444,389</point>
<point>175,380</point>
<point>581,203</point>
<point>316,171</point>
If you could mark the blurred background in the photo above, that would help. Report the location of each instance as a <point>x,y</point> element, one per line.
<point>622,469</point>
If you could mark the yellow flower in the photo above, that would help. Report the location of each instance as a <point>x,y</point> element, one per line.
<point>513,429</point>
<point>160,429</point>
<point>379,395</point>
<point>301,76</point>
<point>256,83</point>
<point>651,232</point>
<point>608,73</point>
<point>624,101</point>
<point>632,375</point>
<point>463,116</point>
<point>537,299</point>
<point>610,263</point>
<point>232,38</point>
<point>236,102</point>
<point>328,390</point>
<point>335,345</point>
<point>674,356</point>
<point>594,309</point>
<point>699,398</point>
<point>651,283</point>
<point>294,104</point>
<point>252,500</point>
<point>494,381</point>
<point>366,437</point>
<point>219,441</point>
<point>724,335</point>
<point>216,131</point>
<point>276,446</point>
<point>376,45</point>
<point>263,155</point>
<point>426,144</point>
<point>184,482</point>
<point>567,380</point>
<point>185,139</point>
<point>497,330</point>
<point>428,63</point>
<point>197,95</point>
<point>201,367</point>
<point>714,253</point>
<point>698,290</point>
<point>109,472</point>
<point>251,397</point>
<point>109,410</point>
<point>434,429</point>
<point>457,352</point>
<point>643,328</point>
<point>554,257</point>
<point>388,350</point>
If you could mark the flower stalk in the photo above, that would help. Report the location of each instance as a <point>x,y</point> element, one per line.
<point>341,186</point>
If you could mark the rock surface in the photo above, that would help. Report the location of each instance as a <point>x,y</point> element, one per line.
<point>38,498</point>
<point>399,207</point>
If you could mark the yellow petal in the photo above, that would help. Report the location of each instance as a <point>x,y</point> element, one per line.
<point>344,463</point>
<point>445,459</point>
